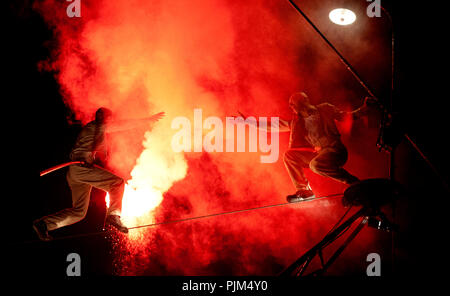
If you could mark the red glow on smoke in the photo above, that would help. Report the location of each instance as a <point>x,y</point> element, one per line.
<point>140,57</point>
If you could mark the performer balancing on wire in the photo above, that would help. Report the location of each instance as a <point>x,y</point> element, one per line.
<point>90,148</point>
<point>315,142</point>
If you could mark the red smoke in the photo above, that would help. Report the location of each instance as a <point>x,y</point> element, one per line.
<point>140,57</point>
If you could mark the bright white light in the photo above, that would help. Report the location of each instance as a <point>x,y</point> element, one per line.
<point>342,16</point>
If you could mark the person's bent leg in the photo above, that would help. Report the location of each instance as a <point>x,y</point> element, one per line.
<point>116,191</point>
<point>106,181</point>
<point>114,185</point>
<point>80,203</point>
<point>329,163</point>
<point>295,161</point>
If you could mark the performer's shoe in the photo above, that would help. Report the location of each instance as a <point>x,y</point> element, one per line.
<point>41,230</point>
<point>300,195</point>
<point>115,221</point>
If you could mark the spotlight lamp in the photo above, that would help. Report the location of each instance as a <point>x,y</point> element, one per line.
<point>342,16</point>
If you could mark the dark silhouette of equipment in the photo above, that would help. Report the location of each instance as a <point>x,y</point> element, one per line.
<point>371,195</point>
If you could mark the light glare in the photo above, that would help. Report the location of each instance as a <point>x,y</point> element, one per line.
<point>342,16</point>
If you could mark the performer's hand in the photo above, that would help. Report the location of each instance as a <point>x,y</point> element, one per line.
<point>369,101</point>
<point>89,159</point>
<point>157,116</point>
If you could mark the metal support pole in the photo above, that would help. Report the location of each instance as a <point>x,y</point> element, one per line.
<point>345,244</point>
<point>303,262</point>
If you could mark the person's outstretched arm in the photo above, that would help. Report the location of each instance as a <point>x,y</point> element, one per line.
<point>282,125</point>
<point>356,114</point>
<point>122,125</point>
<point>362,111</point>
